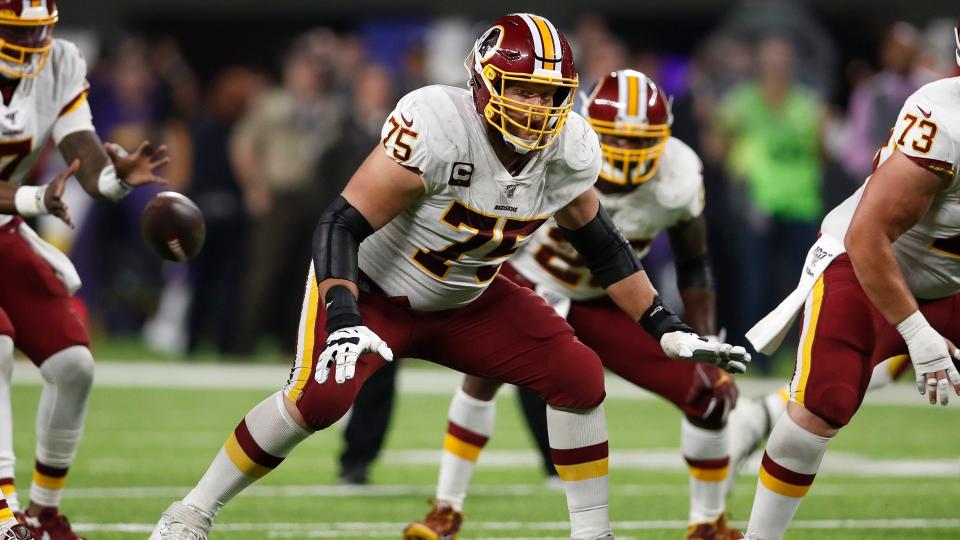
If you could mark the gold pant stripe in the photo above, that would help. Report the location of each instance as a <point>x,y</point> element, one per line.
<point>240,458</point>
<point>809,338</point>
<point>49,482</point>
<point>584,471</point>
<point>461,449</point>
<point>710,475</point>
<point>308,337</point>
<point>780,487</point>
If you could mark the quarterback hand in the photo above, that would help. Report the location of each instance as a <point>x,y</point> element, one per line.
<point>52,196</point>
<point>136,169</point>
<point>343,348</point>
<point>688,346</point>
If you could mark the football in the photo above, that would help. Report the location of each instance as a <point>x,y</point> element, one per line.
<point>173,226</point>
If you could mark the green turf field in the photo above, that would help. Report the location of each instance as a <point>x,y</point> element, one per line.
<point>146,447</point>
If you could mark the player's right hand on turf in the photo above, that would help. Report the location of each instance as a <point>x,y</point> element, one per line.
<point>689,346</point>
<point>932,358</point>
<point>53,195</point>
<point>344,347</point>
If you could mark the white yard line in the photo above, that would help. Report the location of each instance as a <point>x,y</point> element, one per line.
<point>413,379</point>
<point>822,489</point>
<point>375,529</point>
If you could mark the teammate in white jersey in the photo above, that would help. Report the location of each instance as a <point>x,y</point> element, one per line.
<point>883,280</point>
<point>649,182</point>
<point>43,91</point>
<point>431,219</point>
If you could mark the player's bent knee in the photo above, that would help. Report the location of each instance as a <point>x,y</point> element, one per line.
<point>835,404</point>
<point>72,367</point>
<point>321,405</point>
<point>576,382</point>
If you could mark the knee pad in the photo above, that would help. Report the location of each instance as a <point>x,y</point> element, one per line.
<point>712,395</point>
<point>321,405</point>
<point>835,404</point>
<point>575,382</point>
<point>72,367</point>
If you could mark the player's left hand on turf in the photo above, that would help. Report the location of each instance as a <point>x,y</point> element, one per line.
<point>344,347</point>
<point>688,346</point>
<point>136,169</point>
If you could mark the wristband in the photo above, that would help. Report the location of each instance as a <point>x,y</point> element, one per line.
<point>342,309</point>
<point>112,186</point>
<point>28,200</point>
<point>658,320</point>
<point>909,327</point>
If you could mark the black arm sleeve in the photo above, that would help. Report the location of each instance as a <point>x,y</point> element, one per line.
<point>336,243</point>
<point>695,274</point>
<point>607,253</point>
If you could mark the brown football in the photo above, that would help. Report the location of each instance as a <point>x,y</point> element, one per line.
<point>173,226</point>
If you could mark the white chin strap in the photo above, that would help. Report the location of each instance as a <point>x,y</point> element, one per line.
<point>516,147</point>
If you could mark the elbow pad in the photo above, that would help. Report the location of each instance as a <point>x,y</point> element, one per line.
<point>695,273</point>
<point>606,252</point>
<point>336,241</point>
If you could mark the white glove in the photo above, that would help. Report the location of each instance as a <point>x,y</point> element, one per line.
<point>931,358</point>
<point>343,347</point>
<point>687,346</point>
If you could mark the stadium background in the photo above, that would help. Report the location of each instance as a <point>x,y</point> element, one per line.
<point>184,350</point>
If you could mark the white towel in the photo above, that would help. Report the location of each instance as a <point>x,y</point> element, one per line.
<point>60,263</point>
<point>767,335</point>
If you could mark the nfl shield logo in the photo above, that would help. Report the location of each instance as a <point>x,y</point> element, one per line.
<point>510,190</point>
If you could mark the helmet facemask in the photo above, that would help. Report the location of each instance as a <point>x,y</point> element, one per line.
<point>24,47</point>
<point>633,163</point>
<point>542,122</point>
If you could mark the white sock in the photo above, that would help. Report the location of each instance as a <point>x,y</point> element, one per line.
<point>68,377</point>
<point>265,436</point>
<point>706,452</point>
<point>8,460</point>
<point>470,424</point>
<point>578,442</point>
<point>790,463</point>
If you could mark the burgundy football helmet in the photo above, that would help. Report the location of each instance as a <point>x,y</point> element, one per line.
<point>25,36</point>
<point>629,106</point>
<point>522,47</point>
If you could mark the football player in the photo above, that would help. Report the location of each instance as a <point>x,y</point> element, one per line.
<point>43,91</point>
<point>409,256</point>
<point>648,182</point>
<point>882,280</point>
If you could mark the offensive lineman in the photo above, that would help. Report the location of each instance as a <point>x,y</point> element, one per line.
<point>43,89</point>
<point>410,253</point>
<point>883,280</point>
<point>649,181</point>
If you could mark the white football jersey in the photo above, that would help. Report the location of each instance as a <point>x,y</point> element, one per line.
<point>52,104</point>
<point>928,132</point>
<point>442,251</point>
<point>674,194</point>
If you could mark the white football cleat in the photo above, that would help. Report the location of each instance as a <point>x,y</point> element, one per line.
<point>182,522</point>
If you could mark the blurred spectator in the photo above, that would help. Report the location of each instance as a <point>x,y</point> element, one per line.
<point>275,151</point>
<point>773,130</point>
<point>217,271</point>
<point>876,101</point>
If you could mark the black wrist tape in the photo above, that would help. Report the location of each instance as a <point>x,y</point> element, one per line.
<point>658,320</point>
<point>342,309</point>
